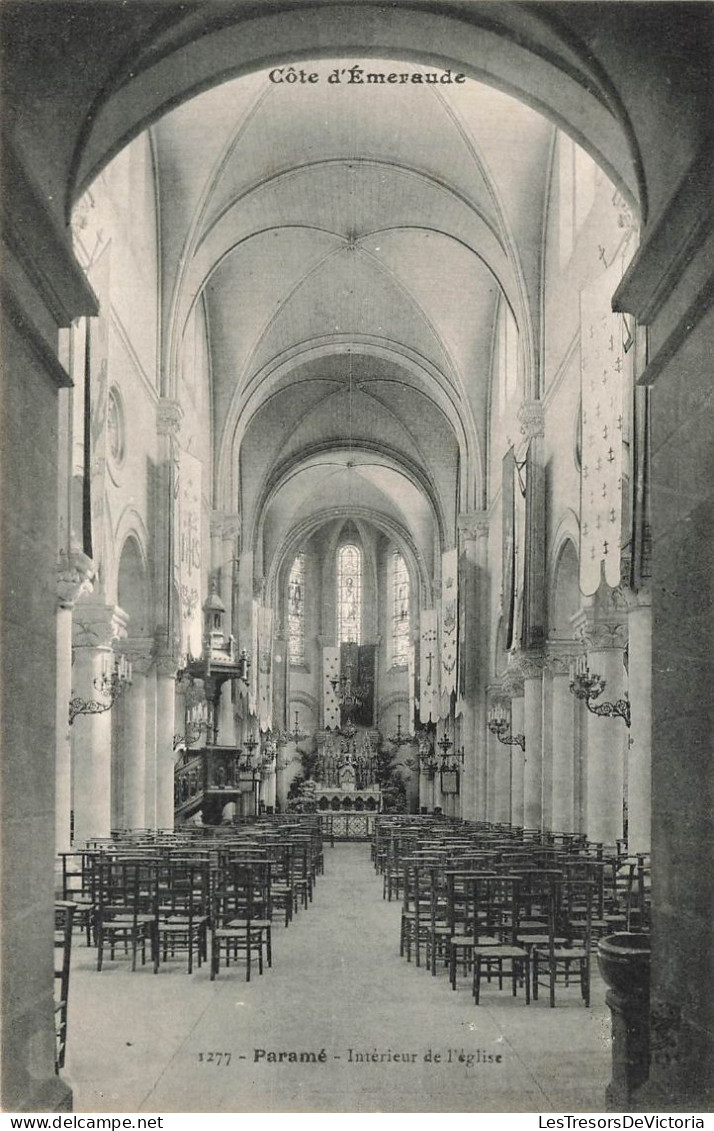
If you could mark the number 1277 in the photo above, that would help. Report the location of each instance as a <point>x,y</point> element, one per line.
<point>217,1058</point>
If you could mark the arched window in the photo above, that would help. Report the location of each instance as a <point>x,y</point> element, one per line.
<point>296,611</point>
<point>349,595</point>
<point>400,611</point>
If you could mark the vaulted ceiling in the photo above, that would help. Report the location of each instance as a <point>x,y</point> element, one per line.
<point>351,245</point>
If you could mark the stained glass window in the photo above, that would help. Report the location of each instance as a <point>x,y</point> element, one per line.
<point>400,611</point>
<point>349,595</point>
<point>296,611</point>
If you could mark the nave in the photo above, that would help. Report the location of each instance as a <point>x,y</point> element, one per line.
<point>337,983</point>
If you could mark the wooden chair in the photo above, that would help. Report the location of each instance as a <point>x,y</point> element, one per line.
<point>127,909</point>
<point>303,877</point>
<point>64,918</point>
<point>496,901</point>
<point>467,929</point>
<point>182,923</point>
<point>240,916</point>
<point>79,880</point>
<point>283,891</point>
<point>567,957</point>
<point>416,909</point>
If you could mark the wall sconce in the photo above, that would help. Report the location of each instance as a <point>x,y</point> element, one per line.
<point>499,723</point>
<point>588,686</point>
<point>113,682</point>
<point>196,722</point>
<point>243,665</point>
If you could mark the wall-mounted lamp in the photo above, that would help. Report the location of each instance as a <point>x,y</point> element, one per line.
<point>113,682</point>
<point>587,686</point>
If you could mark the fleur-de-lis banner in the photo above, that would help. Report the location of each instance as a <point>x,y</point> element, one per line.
<point>604,373</point>
<point>429,671</point>
<point>449,625</point>
<point>265,666</point>
<point>330,671</point>
<point>188,551</point>
<point>508,557</point>
<point>411,670</point>
<point>253,688</point>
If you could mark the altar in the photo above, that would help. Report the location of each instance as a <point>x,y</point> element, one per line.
<point>346,772</point>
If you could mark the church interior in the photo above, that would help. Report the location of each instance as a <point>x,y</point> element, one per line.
<point>356,446</point>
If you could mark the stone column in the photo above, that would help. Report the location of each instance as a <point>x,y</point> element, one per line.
<point>530,665</point>
<point>95,628</point>
<point>150,749</point>
<point>518,762</point>
<point>132,738</point>
<point>75,574</point>
<point>532,421</point>
<point>639,791</point>
<point>604,638</point>
<point>166,668</point>
<point>564,708</point>
<point>547,748</point>
<point>499,770</point>
<point>474,585</point>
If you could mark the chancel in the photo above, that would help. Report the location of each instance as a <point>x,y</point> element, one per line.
<point>357,421</point>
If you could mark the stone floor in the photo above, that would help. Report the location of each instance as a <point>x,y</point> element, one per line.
<point>142,1042</point>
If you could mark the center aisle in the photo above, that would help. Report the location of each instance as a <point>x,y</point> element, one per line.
<point>339,990</point>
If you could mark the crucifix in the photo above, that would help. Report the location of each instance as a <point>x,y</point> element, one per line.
<point>429,657</point>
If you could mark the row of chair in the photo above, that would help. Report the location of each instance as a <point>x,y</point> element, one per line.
<point>160,900</point>
<point>503,904</point>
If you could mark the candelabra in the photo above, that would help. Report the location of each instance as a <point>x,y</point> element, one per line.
<point>444,745</point>
<point>194,729</point>
<point>113,682</point>
<point>587,686</point>
<point>295,735</point>
<point>427,756</point>
<point>500,725</point>
<point>400,738</point>
<point>453,761</point>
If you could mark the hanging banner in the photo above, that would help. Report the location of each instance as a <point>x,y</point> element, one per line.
<point>330,671</point>
<point>508,557</point>
<point>411,676</point>
<point>254,667</point>
<point>429,677</point>
<point>187,511</point>
<point>265,667</point>
<point>449,625</point>
<point>605,371</point>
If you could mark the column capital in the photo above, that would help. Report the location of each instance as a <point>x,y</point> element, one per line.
<point>527,665</point>
<point>560,654</point>
<point>633,599</point>
<point>75,577</point>
<point>97,626</point>
<point>167,664</point>
<point>599,634</point>
<point>139,650</point>
<point>512,681</point>
<point>169,415</point>
<point>495,693</point>
<point>474,524</point>
<point>531,417</point>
